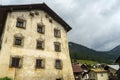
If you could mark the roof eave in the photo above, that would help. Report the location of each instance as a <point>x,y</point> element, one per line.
<point>41,6</point>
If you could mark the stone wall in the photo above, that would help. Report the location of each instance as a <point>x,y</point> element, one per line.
<point>28,51</point>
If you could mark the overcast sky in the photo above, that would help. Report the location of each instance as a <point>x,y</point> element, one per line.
<point>95,23</point>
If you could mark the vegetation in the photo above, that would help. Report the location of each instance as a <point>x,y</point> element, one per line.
<point>5,78</point>
<point>87,62</point>
<point>79,52</point>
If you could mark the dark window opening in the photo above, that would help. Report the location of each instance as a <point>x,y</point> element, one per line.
<point>40,45</point>
<point>39,63</point>
<point>58,64</point>
<point>57,47</point>
<point>18,41</point>
<point>59,79</point>
<point>57,33</point>
<point>15,62</point>
<point>40,29</point>
<point>50,20</point>
<point>20,23</point>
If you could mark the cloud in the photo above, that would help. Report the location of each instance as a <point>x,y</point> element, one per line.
<point>95,23</point>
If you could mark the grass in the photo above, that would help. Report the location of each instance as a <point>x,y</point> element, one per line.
<point>86,62</point>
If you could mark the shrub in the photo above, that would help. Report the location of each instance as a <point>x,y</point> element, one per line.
<point>5,78</point>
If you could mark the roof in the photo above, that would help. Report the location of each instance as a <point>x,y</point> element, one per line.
<point>77,68</point>
<point>10,8</point>
<point>115,67</point>
<point>99,70</point>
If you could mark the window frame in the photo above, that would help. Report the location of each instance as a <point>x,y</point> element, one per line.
<point>42,27</point>
<point>57,46</point>
<point>20,22</point>
<point>57,33</point>
<point>41,65</point>
<point>18,64</point>
<point>41,43</point>
<point>18,44</point>
<point>58,64</point>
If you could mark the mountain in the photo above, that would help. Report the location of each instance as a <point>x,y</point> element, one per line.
<point>78,51</point>
<point>115,51</point>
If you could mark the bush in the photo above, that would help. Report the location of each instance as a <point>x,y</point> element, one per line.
<point>5,78</point>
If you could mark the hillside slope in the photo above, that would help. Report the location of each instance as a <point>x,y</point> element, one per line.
<point>115,51</point>
<point>78,51</point>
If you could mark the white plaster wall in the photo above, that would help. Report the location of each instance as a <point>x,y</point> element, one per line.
<point>29,51</point>
<point>104,77</point>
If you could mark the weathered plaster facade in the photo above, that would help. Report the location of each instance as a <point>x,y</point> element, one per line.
<point>98,75</point>
<point>28,51</point>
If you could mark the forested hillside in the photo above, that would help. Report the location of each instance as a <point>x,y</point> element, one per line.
<point>79,52</point>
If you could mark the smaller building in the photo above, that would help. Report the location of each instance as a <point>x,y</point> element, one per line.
<point>77,70</point>
<point>112,69</point>
<point>98,74</point>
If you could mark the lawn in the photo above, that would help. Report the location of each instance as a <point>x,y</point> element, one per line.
<point>86,62</point>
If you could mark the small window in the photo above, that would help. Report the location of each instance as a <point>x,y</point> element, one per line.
<point>20,23</point>
<point>40,28</point>
<point>59,79</point>
<point>58,64</point>
<point>40,44</point>
<point>40,63</point>
<point>57,33</point>
<point>18,41</point>
<point>57,46</point>
<point>50,20</point>
<point>15,62</point>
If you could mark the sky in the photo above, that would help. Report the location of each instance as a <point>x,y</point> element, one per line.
<point>95,23</point>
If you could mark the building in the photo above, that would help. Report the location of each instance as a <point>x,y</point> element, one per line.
<point>77,70</point>
<point>34,44</point>
<point>80,71</point>
<point>112,69</point>
<point>98,74</point>
<point>118,71</point>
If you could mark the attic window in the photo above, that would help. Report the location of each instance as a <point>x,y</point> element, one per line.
<point>50,20</point>
<point>37,13</point>
<point>32,14</point>
<point>20,23</point>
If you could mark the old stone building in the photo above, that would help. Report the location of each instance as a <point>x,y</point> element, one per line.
<point>33,43</point>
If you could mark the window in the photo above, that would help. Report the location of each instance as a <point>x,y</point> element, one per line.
<point>40,63</point>
<point>20,23</point>
<point>41,28</point>
<point>57,33</point>
<point>16,62</point>
<point>59,79</point>
<point>57,46</point>
<point>50,20</point>
<point>40,44</point>
<point>58,64</point>
<point>18,41</point>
